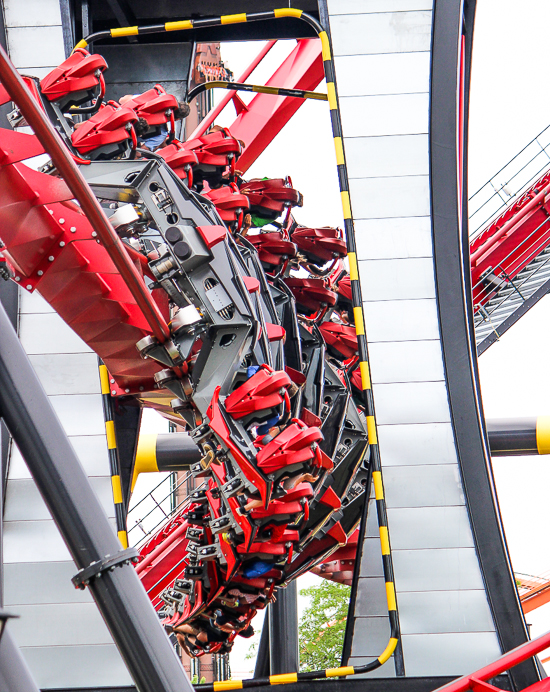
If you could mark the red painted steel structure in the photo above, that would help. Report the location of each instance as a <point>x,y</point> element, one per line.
<point>478,681</point>
<point>81,267</point>
<point>261,121</point>
<point>511,242</point>
<point>210,117</point>
<point>69,252</point>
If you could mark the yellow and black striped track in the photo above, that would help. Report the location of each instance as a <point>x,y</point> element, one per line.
<point>368,400</point>
<point>113,456</point>
<point>238,86</point>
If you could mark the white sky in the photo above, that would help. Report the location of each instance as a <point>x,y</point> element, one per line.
<point>509,106</point>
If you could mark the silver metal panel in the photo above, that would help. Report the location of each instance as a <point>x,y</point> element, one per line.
<point>24,503</point>
<point>31,12</point>
<point>80,414</point>
<point>406,361</point>
<point>32,303</point>
<point>59,624</point>
<point>367,6</point>
<point>411,402</point>
<point>77,666</point>
<point>448,654</point>
<point>42,582</point>
<point>398,238</point>
<point>33,541</point>
<point>401,320</point>
<point>91,450</point>
<point>382,68</point>
<point>67,373</point>
<point>48,333</point>
<point>36,46</point>
<point>375,116</point>
<point>444,611</point>
<point>393,155</point>
<point>371,560</point>
<point>378,198</point>
<point>416,528</point>
<point>387,32</point>
<point>371,636</point>
<point>39,72</point>
<point>93,454</point>
<point>443,569</point>
<point>398,279</point>
<point>429,443</point>
<point>371,597</point>
<point>387,73</point>
<point>372,520</point>
<point>433,485</point>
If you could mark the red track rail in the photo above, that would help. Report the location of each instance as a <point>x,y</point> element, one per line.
<point>69,252</point>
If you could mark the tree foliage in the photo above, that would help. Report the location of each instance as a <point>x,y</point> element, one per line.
<point>322,625</point>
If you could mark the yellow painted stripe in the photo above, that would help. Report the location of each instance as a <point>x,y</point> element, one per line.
<point>233,18</point>
<point>287,12</point>
<point>390,595</point>
<point>283,679</point>
<point>80,44</point>
<point>346,206</point>
<point>331,93</point>
<point>228,685</point>
<point>325,45</point>
<point>117,489</point>
<point>339,147</point>
<point>316,95</point>
<point>104,379</point>
<point>125,31</point>
<point>353,270</point>
<point>365,375</point>
<point>178,26</point>
<point>388,651</point>
<point>543,434</point>
<point>377,480</point>
<point>123,538</point>
<point>371,427</point>
<point>146,456</point>
<point>385,540</point>
<point>339,672</point>
<point>110,431</point>
<point>265,90</point>
<point>359,324</point>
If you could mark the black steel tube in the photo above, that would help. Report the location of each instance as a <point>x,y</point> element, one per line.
<point>509,437</point>
<point>283,631</point>
<point>119,595</point>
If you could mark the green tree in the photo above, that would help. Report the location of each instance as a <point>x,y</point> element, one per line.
<point>322,625</point>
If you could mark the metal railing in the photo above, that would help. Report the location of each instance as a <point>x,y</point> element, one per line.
<point>501,291</point>
<point>157,508</point>
<point>509,183</point>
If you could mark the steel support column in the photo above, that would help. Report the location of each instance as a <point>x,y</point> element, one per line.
<point>134,625</point>
<point>14,673</point>
<point>283,631</point>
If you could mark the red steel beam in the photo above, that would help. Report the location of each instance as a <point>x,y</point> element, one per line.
<point>512,658</point>
<point>50,140</point>
<point>265,116</point>
<point>204,124</point>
